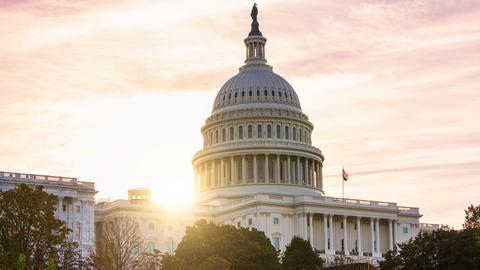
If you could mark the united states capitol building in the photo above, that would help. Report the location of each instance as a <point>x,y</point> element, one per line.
<point>257,169</point>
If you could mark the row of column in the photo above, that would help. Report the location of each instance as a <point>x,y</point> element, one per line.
<point>261,168</point>
<point>307,232</point>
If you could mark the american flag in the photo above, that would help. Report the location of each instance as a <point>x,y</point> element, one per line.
<point>344,175</point>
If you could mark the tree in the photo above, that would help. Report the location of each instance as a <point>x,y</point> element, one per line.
<point>29,230</point>
<point>472,217</point>
<point>119,244</point>
<point>243,248</point>
<point>445,248</point>
<point>171,262</point>
<point>299,255</point>
<point>215,263</point>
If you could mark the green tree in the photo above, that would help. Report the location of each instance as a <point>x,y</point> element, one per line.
<point>29,230</point>
<point>171,262</point>
<point>299,255</point>
<point>445,248</point>
<point>472,217</point>
<point>245,249</point>
<point>215,263</point>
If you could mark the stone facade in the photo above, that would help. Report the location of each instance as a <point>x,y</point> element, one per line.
<point>75,204</point>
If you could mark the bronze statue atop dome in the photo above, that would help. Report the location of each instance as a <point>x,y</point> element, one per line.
<point>255,30</point>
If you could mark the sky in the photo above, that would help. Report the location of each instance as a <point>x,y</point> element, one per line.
<point>116,91</point>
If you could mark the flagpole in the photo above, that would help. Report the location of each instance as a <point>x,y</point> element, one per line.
<point>343,188</point>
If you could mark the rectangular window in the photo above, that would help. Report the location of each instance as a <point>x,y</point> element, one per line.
<point>276,221</point>
<point>238,224</point>
<point>250,221</point>
<point>78,208</point>
<point>405,230</point>
<point>341,225</point>
<point>343,245</point>
<point>276,243</point>
<point>355,227</point>
<point>151,247</point>
<point>64,207</point>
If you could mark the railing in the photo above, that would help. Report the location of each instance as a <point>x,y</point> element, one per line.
<point>429,226</point>
<point>255,143</point>
<point>355,202</point>
<point>50,178</point>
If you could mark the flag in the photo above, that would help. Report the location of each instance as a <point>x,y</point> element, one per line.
<point>344,175</point>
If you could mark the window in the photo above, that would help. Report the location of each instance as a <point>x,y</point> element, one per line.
<point>243,93</point>
<point>79,231</point>
<point>405,229</point>
<point>300,134</point>
<point>249,131</point>
<point>151,226</point>
<point>273,93</point>
<point>64,207</point>
<point>259,131</point>
<point>77,208</point>
<point>169,245</point>
<point>250,221</point>
<point>276,243</point>
<point>276,221</point>
<point>224,135</point>
<point>265,92</point>
<point>269,131</point>
<point>216,136</point>
<point>328,224</point>
<point>286,132</point>
<point>211,138</point>
<point>278,131</point>
<point>343,245</point>
<point>231,134</point>
<point>294,135</point>
<point>374,227</point>
<point>258,93</point>
<point>240,132</point>
<point>235,95</point>
<point>375,245</point>
<point>341,225</point>
<point>151,247</point>
<point>238,224</point>
<point>279,94</point>
<point>355,227</point>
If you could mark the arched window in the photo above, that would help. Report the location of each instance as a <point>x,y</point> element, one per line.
<point>294,135</point>
<point>273,93</point>
<point>224,135</point>
<point>231,133</point>
<point>249,131</point>
<point>278,131</point>
<point>286,132</point>
<point>259,131</point>
<point>216,136</point>
<point>279,94</point>
<point>265,92</point>
<point>300,134</point>
<point>240,132</point>
<point>235,95</point>
<point>229,96</point>
<point>250,93</point>
<point>307,138</point>
<point>243,93</point>
<point>269,131</point>
<point>211,138</point>
<point>258,93</point>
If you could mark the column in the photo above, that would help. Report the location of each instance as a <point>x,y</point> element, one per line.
<point>288,176</point>
<point>345,239</point>
<point>390,237</point>
<point>297,180</point>
<point>222,172</point>
<point>244,170</point>
<point>265,169</point>
<point>325,232</point>
<point>204,177</point>
<point>372,234</point>
<point>214,174</point>
<point>377,232</point>
<point>305,172</point>
<point>232,171</point>
<point>332,238</point>
<point>305,224</point>
<point>359,236</point>
<point>311,229</point>
<point>277,170</point>
<point>395,232</point>
<point>255,168</point>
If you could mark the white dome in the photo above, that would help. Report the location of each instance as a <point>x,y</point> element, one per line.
<point>256,86</point>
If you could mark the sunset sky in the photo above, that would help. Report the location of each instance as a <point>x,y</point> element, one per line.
<point>116,91</point>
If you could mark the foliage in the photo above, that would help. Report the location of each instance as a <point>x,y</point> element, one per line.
<point>171,262</point>
<point>215,263</point>
<point>30,235</point>
<point>243,248</point>
<point>442,249</point>
<point>119,244</point>
<point>472,217</point>
<point>299,255</point>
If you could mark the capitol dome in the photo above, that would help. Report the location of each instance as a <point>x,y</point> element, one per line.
<point>256,86</point>
<point>257,139</point>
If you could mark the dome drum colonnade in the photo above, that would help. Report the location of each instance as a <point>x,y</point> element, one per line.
<point>257,133</point>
